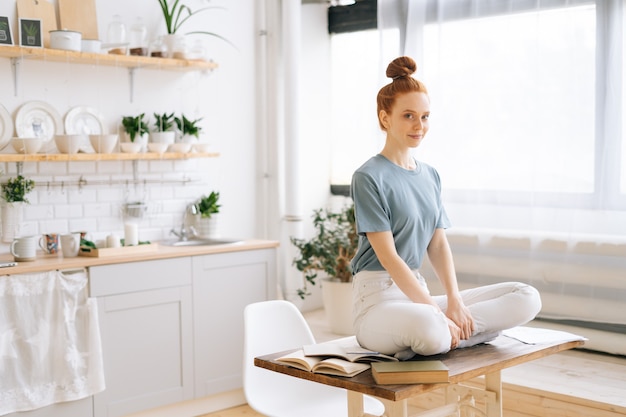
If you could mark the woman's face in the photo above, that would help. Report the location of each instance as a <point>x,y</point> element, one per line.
<point>407,123</point>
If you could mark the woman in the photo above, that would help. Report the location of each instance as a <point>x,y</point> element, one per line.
<point>400,217</point>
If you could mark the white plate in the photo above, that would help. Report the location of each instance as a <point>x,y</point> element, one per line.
<point>6,127</point>
<point>84,120</point>
<point>38,119</point>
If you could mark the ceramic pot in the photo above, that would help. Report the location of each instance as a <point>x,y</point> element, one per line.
<point>12,216</point>
<point>206,227</point>
<point>337,299</point>
<point>68,40</point>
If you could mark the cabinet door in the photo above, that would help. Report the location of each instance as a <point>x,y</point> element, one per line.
<point>222,286</point>
<point>146,336</point>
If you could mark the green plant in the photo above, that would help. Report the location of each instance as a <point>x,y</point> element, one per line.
<point>207,205</point>
<point>178,13</point>
<point>330,250</point>
<point>188,126</point>
<point>30,29</point>
<point>135,126</point>
<point>15,189</point>
<point>164,122</point>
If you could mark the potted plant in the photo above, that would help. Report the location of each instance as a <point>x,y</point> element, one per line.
<point>330,251</point>
<point>207,208</point>
<point>163,129</point>
<point>136,131</point>
<point>188,128</point>
<point>14,195</point>
<point>176,14</point>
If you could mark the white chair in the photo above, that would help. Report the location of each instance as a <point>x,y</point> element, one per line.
<point>274,326</point>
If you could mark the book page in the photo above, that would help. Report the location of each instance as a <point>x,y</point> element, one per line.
<point>298,360</point>
<point>336,366</point>
<point>346,348</point>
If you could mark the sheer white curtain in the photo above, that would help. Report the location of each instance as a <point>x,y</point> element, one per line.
<point>526,124</point>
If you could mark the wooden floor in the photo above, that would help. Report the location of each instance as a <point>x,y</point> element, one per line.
<point>574,384</point>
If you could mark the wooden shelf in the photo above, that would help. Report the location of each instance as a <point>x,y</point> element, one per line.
<point>112,60</point>
<point>148,156</point>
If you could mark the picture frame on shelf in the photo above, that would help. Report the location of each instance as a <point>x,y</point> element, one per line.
<point>5,31</point>
<point>30,33</point>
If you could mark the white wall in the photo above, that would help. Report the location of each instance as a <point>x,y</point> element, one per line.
<point>224,98</point>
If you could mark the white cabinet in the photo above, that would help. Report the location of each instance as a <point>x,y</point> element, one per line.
<point>145,316</point>
<point>223,285</point>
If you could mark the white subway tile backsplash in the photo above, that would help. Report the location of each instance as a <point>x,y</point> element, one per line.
<point>82,167</point>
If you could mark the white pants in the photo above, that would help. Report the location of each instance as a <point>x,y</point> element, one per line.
<point>386,321</point>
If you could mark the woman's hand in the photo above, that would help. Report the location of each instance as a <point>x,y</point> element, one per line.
<point>455,333</point>
<point>460,315</point>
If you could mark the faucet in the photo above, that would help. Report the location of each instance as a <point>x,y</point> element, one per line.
<point>186,232</point>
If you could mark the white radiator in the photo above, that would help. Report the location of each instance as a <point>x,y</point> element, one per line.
<point>582,279</point>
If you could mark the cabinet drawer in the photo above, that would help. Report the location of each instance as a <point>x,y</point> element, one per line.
<point>139,276</point>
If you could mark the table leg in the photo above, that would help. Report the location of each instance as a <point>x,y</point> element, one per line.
<point>355,404</point>
<point>395,408</point>
<point>356,408</point>
<point>493,383</point>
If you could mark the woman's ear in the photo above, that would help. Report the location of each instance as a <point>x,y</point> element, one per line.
<point>383,117</point>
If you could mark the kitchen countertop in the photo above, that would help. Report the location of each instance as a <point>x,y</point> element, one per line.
<point>45,262</point>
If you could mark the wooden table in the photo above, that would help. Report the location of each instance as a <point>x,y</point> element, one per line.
<point>483,360</point>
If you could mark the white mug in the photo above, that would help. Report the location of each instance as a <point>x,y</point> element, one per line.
<point>113,241</point>
<point>24,248</point>
<point>70,244</point>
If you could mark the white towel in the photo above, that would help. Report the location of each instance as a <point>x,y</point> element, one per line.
<point>50,349</point>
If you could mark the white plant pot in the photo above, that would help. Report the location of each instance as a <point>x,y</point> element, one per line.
<point>337,300</point>
<point>175,44</point>
<point>206,227</point>
<point>12,217</point>
<point>141,140</point>
<point>163,137</point>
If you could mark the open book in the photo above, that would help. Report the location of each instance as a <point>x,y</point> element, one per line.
<point>343,357</point>
<point>346,348</point>
<point>322,365</point>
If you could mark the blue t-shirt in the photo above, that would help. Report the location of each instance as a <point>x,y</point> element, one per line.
<point>406,202</point>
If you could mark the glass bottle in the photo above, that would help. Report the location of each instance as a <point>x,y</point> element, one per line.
<point>138,38</point>
<point>116,36</point>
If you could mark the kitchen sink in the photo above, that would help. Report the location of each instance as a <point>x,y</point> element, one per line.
<point>201,242</point>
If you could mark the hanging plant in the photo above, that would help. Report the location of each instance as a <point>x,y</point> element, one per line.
<point>15,189</point>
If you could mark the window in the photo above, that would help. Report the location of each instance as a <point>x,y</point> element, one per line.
<point>520,109</point>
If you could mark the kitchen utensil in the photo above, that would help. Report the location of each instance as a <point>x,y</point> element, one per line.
<point>69,143</point>
<point>27,145</point>
<point>49,243</point>
<point>70,244</point>
<point>67,40</point>
<point>79,15</point>
<point>42,10</point>
<point>103,143</point>
<point>24,248</point>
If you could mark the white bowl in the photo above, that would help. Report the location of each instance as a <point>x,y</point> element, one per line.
<point>157,147</point>
<point>130,147</point>
<point>69,143</point>
<point>180,147</point>
<point>201,147</point>
<point>103,143</point>
<point>93,46</point>
<point>27,145</point>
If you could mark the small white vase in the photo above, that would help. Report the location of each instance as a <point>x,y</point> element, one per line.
<point>12,217</point>
<point>163,137</point>
<point>141,140</point>
<point>175,44</point>
<point>206,227</point>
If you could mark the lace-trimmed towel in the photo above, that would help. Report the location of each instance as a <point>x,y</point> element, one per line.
<point>50,348</point>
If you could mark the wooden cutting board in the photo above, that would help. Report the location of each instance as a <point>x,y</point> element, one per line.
<point>42,10</point>
<point>79,15</point>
